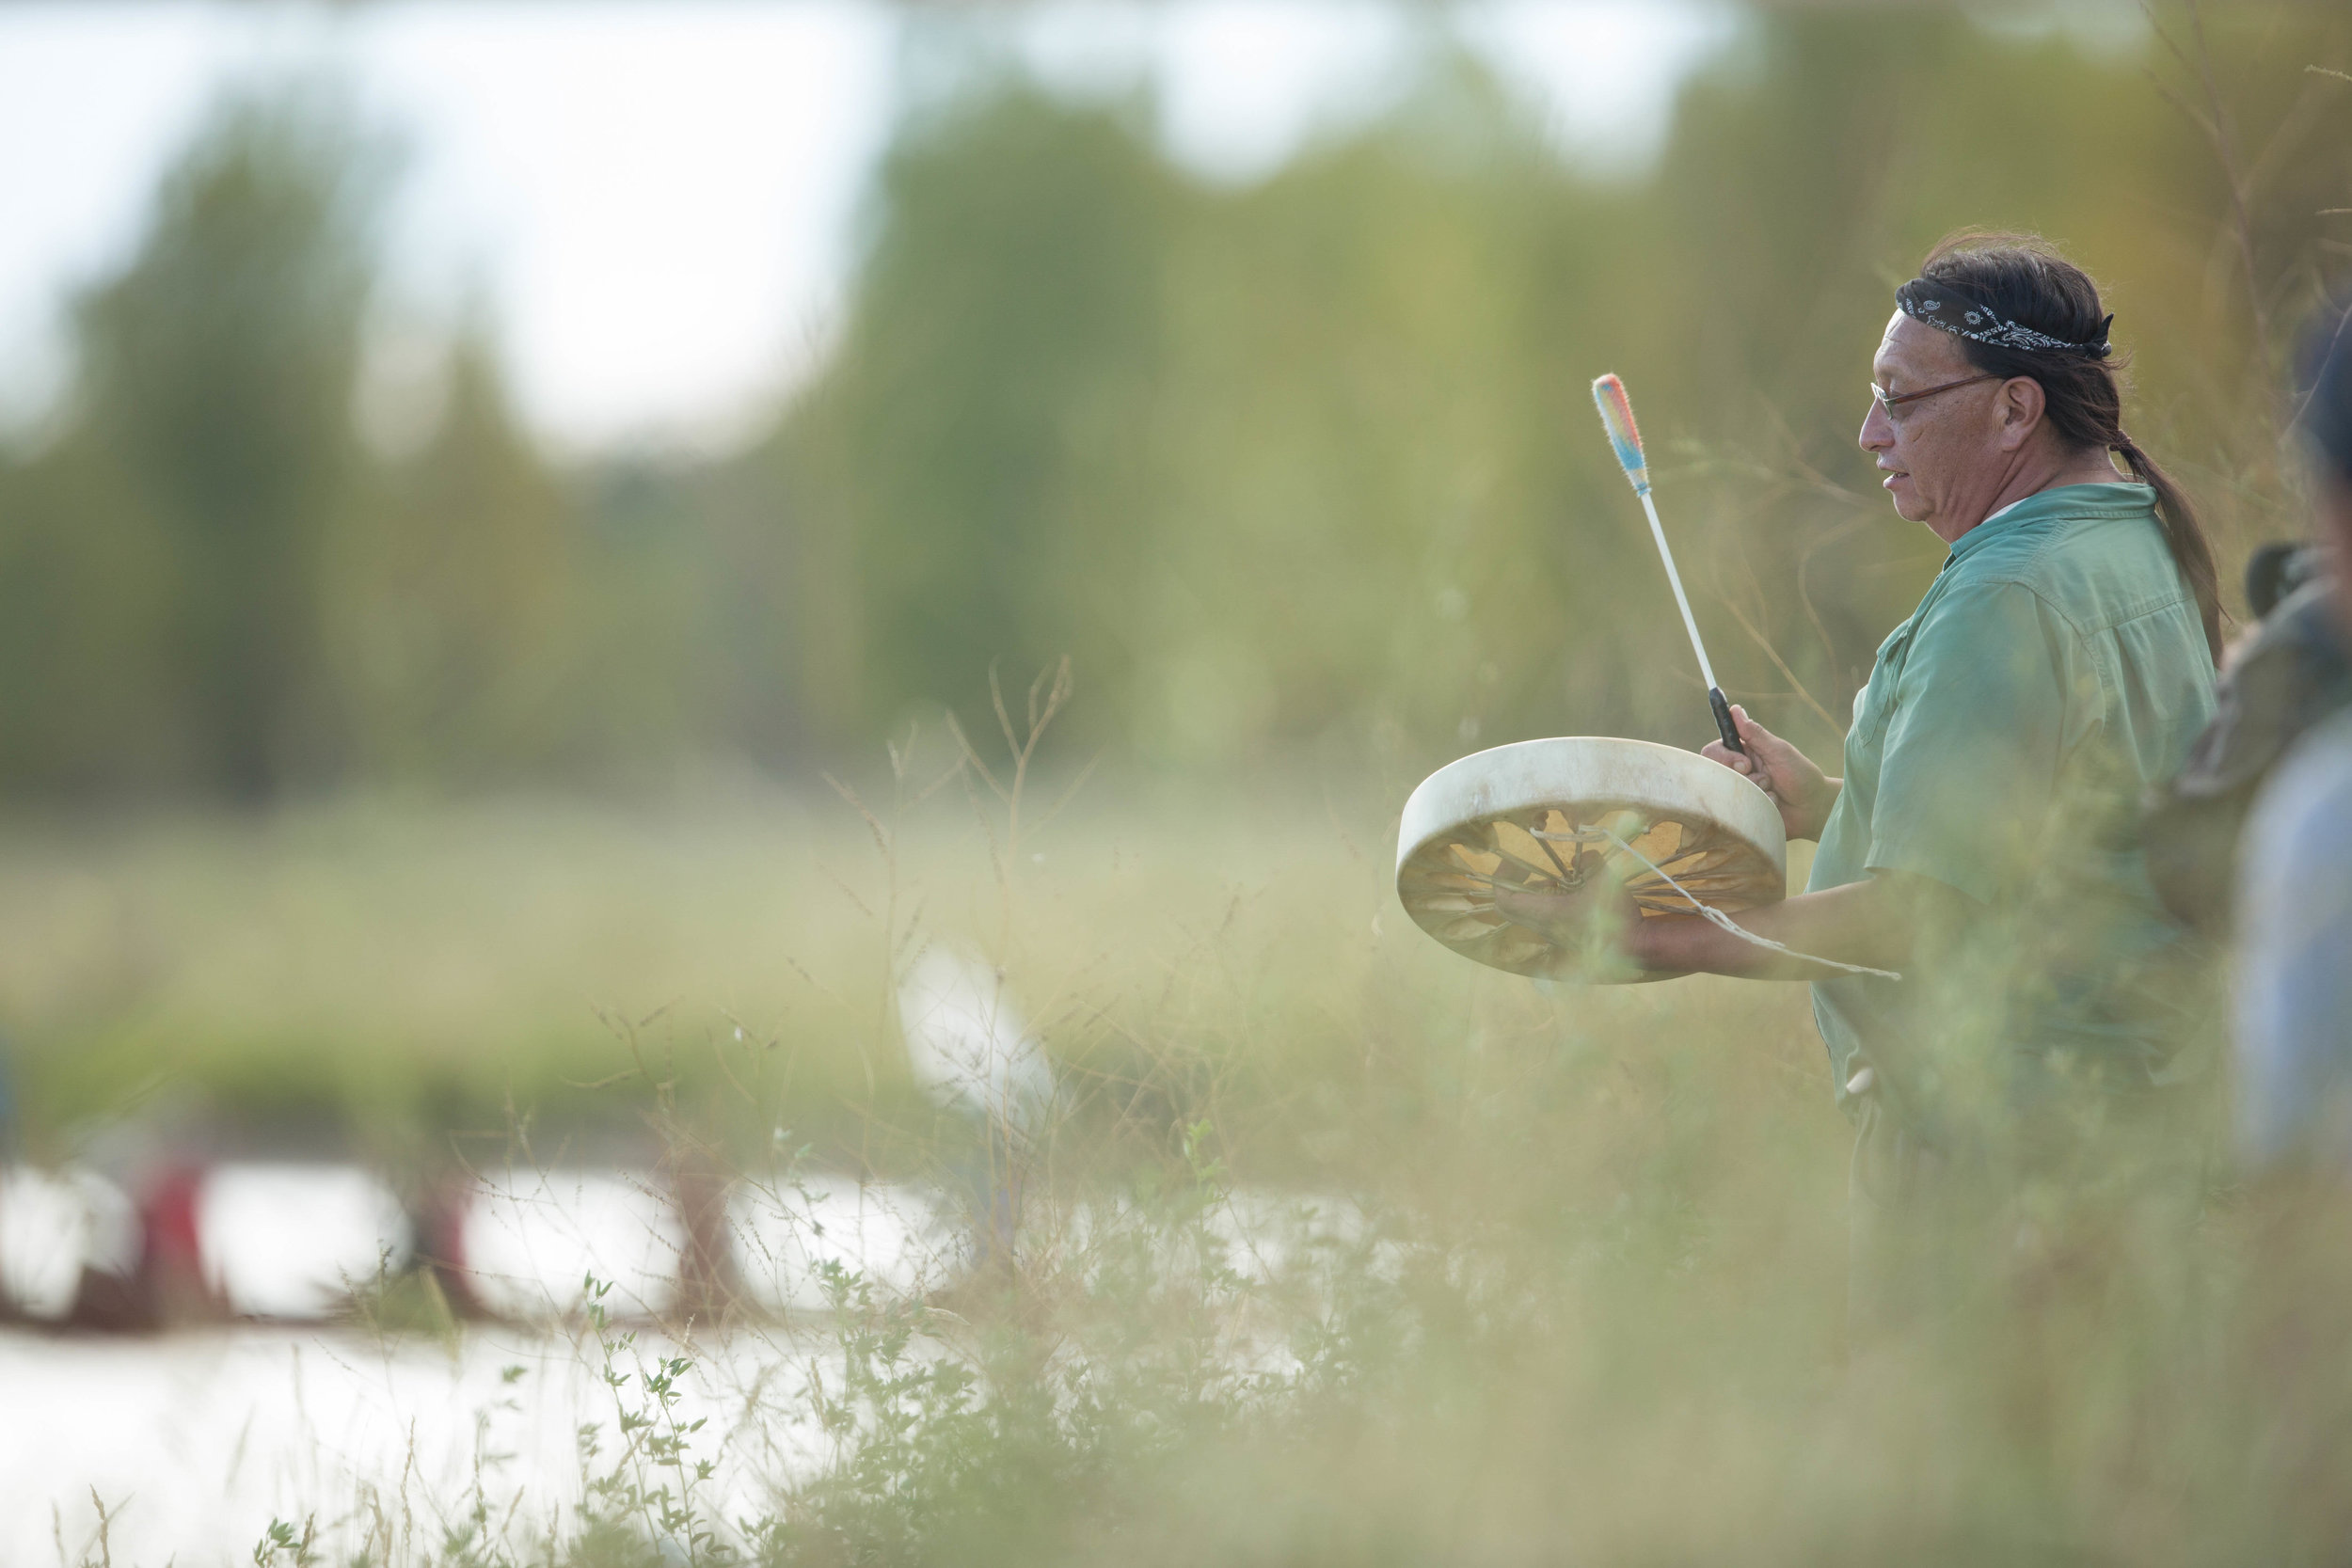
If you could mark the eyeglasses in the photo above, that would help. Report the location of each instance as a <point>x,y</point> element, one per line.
<point>1890,402</point>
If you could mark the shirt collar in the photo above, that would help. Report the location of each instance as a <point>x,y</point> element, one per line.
<point>2121,498</point>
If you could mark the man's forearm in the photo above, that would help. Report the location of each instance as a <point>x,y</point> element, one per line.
<point>1870,922</point>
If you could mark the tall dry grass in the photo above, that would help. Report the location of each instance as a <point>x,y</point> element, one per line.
<point>1340,1249</point>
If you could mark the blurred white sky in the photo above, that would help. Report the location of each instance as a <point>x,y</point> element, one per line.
<point>657,202</point>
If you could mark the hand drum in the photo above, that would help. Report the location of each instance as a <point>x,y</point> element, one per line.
<point>1508,818</point>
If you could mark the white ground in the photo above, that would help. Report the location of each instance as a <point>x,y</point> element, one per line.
<point>193,1442</point>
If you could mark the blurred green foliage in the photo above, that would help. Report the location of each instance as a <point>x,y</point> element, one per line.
<point>1301,468</point>
<point>166,562</point>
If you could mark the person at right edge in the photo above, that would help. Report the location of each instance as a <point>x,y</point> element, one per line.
<point>2293,1056</point>
<point>2017,1092</point>
<point>2293,992</point>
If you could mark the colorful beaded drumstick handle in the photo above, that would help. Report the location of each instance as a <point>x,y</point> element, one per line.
<point>1616,416</point>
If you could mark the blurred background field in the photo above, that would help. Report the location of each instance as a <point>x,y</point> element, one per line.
<point>405,970</point>
<point>394,973</point>
<point>481,711</point>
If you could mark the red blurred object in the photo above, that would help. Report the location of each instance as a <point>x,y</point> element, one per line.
<point>169,1285</point>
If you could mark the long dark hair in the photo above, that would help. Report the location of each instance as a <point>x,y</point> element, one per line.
<point>2024,279</point>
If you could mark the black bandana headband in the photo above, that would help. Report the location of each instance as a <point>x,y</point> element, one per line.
<point>1947,310</point>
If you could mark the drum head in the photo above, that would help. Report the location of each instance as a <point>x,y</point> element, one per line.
<point>1508,818</point>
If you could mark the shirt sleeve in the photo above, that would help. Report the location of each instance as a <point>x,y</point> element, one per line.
<point>2294,981</point>
<point>1970,762</point>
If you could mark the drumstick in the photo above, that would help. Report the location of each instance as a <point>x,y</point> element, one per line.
<point>1616,415</point>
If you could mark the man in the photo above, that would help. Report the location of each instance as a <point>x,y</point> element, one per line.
<point>1981,840</point>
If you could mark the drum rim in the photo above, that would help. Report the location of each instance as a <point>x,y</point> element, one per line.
<point>1444,801</point>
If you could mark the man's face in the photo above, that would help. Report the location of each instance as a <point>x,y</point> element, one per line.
<point>1941,454</point>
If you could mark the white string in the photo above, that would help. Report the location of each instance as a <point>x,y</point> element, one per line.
<point>1586,836</point>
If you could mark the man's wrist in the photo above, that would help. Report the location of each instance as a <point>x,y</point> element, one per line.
<point>1657,940</point>
<point>1824,803</point>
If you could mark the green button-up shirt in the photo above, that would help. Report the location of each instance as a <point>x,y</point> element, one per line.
<point>2054,668</point>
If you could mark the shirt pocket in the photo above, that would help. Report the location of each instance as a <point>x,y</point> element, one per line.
<point>1874,705</point>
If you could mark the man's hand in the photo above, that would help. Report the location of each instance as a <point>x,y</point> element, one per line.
<point>1594,918</point>
<point>1802,791</point>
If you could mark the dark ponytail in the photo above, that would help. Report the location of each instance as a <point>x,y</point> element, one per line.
<point>2025,280</point>
<point>2183,534</point>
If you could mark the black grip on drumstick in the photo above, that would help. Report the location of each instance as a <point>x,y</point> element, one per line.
<point>1729,731</point>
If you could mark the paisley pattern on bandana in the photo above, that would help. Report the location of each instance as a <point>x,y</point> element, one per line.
<point>1946,311</point>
